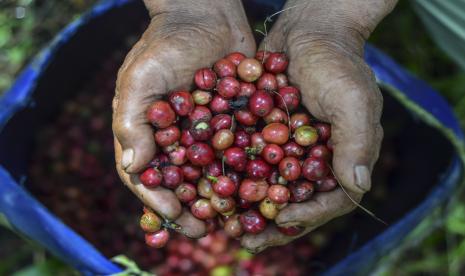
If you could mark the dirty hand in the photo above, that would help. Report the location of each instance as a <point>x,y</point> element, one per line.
<point>182,37</point>
<point>324,42</point>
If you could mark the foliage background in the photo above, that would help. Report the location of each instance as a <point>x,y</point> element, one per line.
<point>27,25</point>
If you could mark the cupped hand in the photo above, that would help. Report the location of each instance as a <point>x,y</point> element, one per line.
<point>182,37</point>
<point>324,43</point>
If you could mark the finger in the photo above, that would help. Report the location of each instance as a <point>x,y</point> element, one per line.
<point>273,41</point>
<point>256,243</point>
<point>318,210</point>
<point>344,93</point>
<point>138,85</point>
<point>356,132</point>
<point>191,226</point>
<point>161,200</point>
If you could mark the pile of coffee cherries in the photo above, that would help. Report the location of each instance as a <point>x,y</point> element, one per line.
<point>237,149</point>
<point>217,254</point>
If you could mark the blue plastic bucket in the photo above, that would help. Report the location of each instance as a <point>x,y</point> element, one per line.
<point>104,26</point>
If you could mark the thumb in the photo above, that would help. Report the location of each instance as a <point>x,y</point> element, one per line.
<point>137,87</point>
<point>353,107</point>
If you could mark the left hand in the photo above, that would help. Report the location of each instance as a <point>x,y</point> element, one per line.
<point>324,42</point>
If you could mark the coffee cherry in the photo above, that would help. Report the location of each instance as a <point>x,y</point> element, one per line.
<point>224,68</point>
<point>289,97</point>
<point>233,227</point>
<point>181,102</point>
<point>191,172</point>
<point>200,113</point>
<point>201,131</point>
<point>292,149</point>
<point>186,192</point>
<point>249,69</point>
<point>151,178</point>
<point>236,57</point>
<point>253,190</point>
<point>289,168</point>
<point>305,136</point>
<point>268,209</point>
<point>150,222</point>
<point>258,169</point>
<point>241,139</point>
<point>236,158</point>
<point>201,97</point>
<point>276,115</point>
<point>172,176</point>
<point>279,194</point>
<point>298,120</point>
<point>203,209</point>
<point>219,104</point>
<point>222,139</point>
<point>200,154</point>
<point>301,191</point>
<point>321,152</point>
<point>221,121</point>
<point>228,87</point>
<point>314,169</point>
<point>276,133</point>
<point>224,186</point>
<point>205,78</point>
<point>272,154</point>
<point>326,184</point>
<point>276,63</point>
<point>157,239</point>
<point>214,169</point>
<point>204,188</point>
<point>252,222</point>
<point>222,204</point>
<point>267,82</point>
<point>261,103</point>
<point>324,132</point>
<point>291,230</point>
<point>160,114</point>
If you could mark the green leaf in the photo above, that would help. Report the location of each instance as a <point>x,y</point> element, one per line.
<point>4,222</point>
<point>47,267</point>
<point>446,24</point>
<point>130,265</point>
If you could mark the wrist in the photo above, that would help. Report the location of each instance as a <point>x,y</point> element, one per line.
<point>198,10</point>
<point>214,18</point>
<point>346,22</point>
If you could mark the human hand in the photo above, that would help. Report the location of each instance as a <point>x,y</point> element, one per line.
<point>182,37</point>
<point>324,41</point>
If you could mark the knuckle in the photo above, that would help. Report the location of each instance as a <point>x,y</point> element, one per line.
<point>120,129</point>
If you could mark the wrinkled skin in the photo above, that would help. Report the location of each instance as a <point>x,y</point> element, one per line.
<point>182,37</point>
<point>324,41</point>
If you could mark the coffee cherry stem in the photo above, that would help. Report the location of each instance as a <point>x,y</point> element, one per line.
<point>251,151</point>
<point>212,178</point>
<point>287,111</point>
<point>265,31</point>
<point>370,213</point>
<point>171,225</point>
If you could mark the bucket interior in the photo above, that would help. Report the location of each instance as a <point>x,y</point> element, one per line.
<point>412,159</point>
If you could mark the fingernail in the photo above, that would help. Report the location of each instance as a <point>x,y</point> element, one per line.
<point>362,178</point>
<point>128,158</point>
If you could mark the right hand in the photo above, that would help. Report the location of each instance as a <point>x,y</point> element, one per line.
<point>182,37</point>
